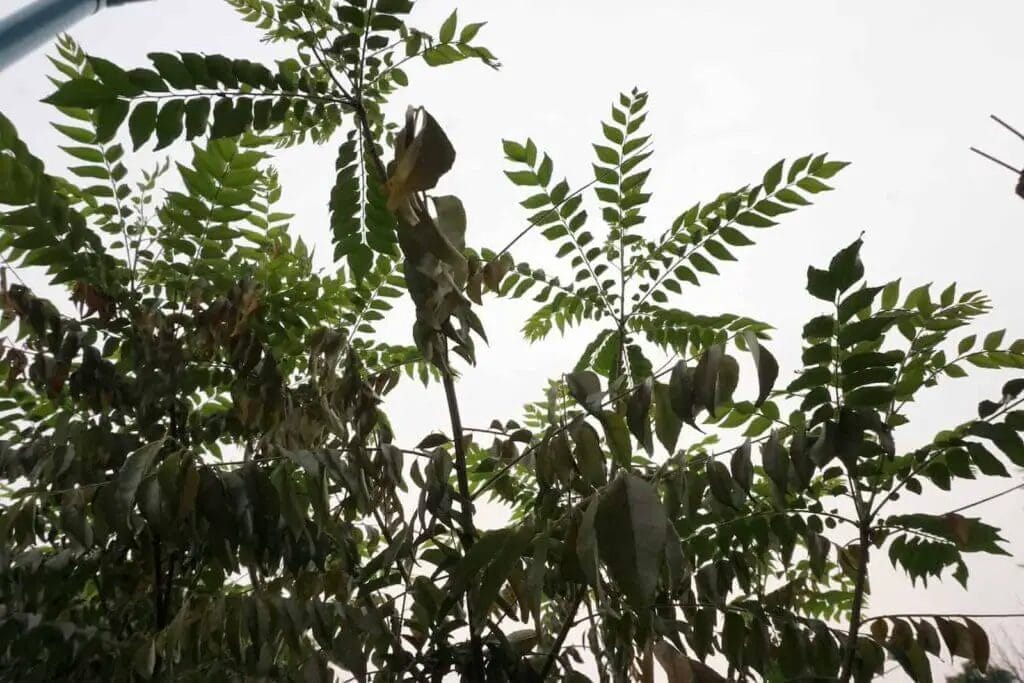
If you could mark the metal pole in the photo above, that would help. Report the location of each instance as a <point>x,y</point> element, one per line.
<point>38,23</point>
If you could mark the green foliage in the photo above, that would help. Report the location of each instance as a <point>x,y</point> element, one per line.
<point>201,481</point>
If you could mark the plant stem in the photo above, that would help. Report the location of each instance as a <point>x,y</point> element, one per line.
<point>466,503</point>
<point>563,633</point>
<point>858,602</point>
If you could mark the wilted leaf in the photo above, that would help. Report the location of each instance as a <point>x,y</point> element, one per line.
<point>423,154</point>
<point>131,473</point>
<point>742,467</point>
<point>666,423</point>
<point>681,394</point>
<point>767,367</point>
<point>637,409</point>
<point>585,387</point>
<point>631,535</point>
<point>675,664</point>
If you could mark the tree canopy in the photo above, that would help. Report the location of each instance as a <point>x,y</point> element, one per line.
<point>202,482</point>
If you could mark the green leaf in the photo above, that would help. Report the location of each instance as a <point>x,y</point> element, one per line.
<point>631,531</point>
<point>606,154</point>
<point>869,329</point>
<point>681,394</point>
<point>587,543</point>
<point>131,473</point>
<point>773,176</point>
<point>721,484</point>
<point>169,123</point>
<point>617,434</point>
<point>109,118</point>
<point>514,151</point>
<point>766,365</point>
<point>667,424</point>
<point>148,80</point>
<point>993,340</point>
<point>142,123</point>
<point>589,455</point>
<point>705,378</point>
<point>585,387</point>
<point>469,31</point>
<point>113,77</point>
<point>856,302</point>
<point>637,410</point>
<point>979,644</point>
<point>447,32</point>
<point>820,285</point>
<point>483,551</point>
<point>172,70</point>
<point>846,267</point>
<point>197,113</point>
<point>986,463</point>
<point>874,396</point>
<point>775,462</point>
<point>81,92</point>
<point>742,467</point>
<point>499,569</point>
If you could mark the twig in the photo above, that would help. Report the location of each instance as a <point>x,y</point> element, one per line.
<point>556,647</point>
<point>1007,126</point>
<point>997,161</point>
<point>985,500</point>
<point>1008,615</point>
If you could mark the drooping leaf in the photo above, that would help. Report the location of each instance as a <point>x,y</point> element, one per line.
<point>637,409</point>
<point>666,422</point>
<point>631,534</point>
<point>585,387</point>
<point>767,367</point>
<point>681,394</point>
<point>423,153</point>
<point>135,467</point>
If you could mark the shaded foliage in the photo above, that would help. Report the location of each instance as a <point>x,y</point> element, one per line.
<point>202,483</point>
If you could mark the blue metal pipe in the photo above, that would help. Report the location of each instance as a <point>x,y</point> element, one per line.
<point>38,23</point>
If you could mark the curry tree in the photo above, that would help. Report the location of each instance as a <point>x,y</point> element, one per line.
<point>202,482</point>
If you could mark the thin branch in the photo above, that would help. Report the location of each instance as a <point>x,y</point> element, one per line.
<point>986,499</point>
<point>939,449</point>
<point>1008,615</point>
<point>556,647</point>
<point>527,451</point>
<point>1007,126</point>
<point>995,160</point>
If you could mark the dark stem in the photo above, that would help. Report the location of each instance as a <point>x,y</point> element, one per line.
<point>567,625</point>
<point>991,158</point>
<point>1007,126</point>
<point>158,600</point>
<point>158,586</point>
<point>858,602</point>
<point>466,503</point>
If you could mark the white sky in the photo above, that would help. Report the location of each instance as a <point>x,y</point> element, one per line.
<point>900,89</point>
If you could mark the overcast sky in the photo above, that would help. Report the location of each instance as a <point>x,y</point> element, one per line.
<point>900,89</point>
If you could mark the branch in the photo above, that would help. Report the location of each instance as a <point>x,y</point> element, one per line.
<point>1008,615</point>
<point>858,602</point>
<point>556,647</point>
<point>625,394</point>
<point>985,500</point>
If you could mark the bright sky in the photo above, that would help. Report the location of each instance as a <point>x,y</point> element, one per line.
<point>900,89</point>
